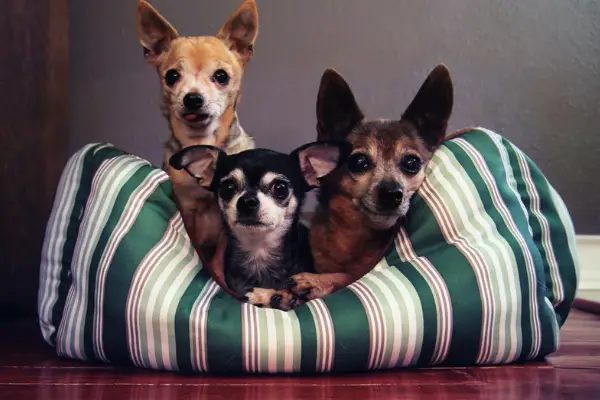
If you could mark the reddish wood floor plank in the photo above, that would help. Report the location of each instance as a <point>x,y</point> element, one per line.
<point>29,369</point>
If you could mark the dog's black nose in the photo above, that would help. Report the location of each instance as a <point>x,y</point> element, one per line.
<point>389,195</point>
<point>247,205</point>
<point>193,101</point>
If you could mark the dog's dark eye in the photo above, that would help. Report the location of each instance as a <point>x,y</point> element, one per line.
<point>227,190</point>
<point>359,162</point>
<point>410,164</point>
<point>221,77</point>
<point>171,77</point>
<point>280,189</point>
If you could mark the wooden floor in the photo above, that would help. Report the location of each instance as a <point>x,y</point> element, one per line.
<point>30,370</point>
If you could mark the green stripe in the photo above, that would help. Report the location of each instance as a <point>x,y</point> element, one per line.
<point>193,263</point>
<point>153,294</point>
<point>426,237</point>
<point>485,145</point>
<point>224,335</point>
<point>559,237</point>
<point>404,302</point>
<point>145,233</point>
<point>351,333</point>
<point>183,334</point>
<point>112,224</point>
<point>429,326</point>
<point>477,229</point>
<point>308,338</point>
<point>547,319</point>
<point>95,219</point>
<point>72,231</point>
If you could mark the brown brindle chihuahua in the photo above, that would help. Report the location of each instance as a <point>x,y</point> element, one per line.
<point>201,79</point>
<point>364,201</point>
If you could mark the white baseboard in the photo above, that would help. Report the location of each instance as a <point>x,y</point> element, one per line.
<point>588,247</point>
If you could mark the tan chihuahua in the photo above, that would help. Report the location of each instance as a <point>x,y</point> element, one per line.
<point>363,202</point>
<point>201,80</point>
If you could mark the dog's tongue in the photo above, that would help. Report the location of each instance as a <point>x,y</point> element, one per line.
<point>190,117</point>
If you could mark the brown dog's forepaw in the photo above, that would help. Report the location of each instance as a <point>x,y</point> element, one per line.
<point>310,286</point>
<point>270,298</point>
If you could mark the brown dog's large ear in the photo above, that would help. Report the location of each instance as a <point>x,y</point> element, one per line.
<point>337,110</point>
<point>241,30</point>
<point>199,161</point>
<point>154,32</point>
<point>318,159</point>
<point>431,108</point>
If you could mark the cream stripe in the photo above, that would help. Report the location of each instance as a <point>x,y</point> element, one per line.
<point>499,267</point>
<point>114,185</point>
<point>130,212</point>
<point>289,319</point>
<point>414,320</point>
<point>512,184</point>
<point>374,315</point>
<point>486,174</point>
<point>391,320</point>
<point>257,334</point>
<point>139,281</point>
<point>440,292</point>
<point>167,313</point>
<point>271,336</point>
<point>198,325</point>
<point>246,338</point>
<point>319,335</point>
<point>88,237</point>
<point>453,238</point>
<point>55,238</point>
<point>490,249</point>
<point>65,330</point>
<point>325,334</point>
<point>155,292</point>
<point>557,286</point>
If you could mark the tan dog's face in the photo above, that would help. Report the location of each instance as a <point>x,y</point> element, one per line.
<point>201,76</point>
<point>388,160</point>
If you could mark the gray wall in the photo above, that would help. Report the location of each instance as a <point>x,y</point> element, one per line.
<point>528,70</point>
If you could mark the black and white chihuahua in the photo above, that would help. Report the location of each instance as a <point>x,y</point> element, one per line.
<point>260,194</point>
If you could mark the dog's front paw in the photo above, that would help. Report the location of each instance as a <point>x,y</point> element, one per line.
<point>310,286</point>
<point>270,298</point>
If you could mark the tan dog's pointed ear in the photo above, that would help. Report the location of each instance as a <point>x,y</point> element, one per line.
<point>337,110</point>
<point>431,108</point>
<point>154,32</point>
<point>199,161</point>
<point>241,30</point>
<point>318,159</point>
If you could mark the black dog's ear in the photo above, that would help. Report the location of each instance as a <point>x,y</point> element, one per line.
<point>154,32</point>
<point>199,161</point>
<point>431,108</point>
<point>337,110</point>
<point>316,160</point>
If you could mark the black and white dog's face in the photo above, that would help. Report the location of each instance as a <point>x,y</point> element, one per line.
<point>260,192</point>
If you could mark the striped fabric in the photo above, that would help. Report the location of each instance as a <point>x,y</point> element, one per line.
<point>484,272</point>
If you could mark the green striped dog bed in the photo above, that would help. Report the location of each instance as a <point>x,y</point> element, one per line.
<point>484,272</point>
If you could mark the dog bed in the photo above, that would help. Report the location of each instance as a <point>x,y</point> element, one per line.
<point>484,272</point>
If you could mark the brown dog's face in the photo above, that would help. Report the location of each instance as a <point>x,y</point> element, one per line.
<point>200,76</point>
<point>388,160</point>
